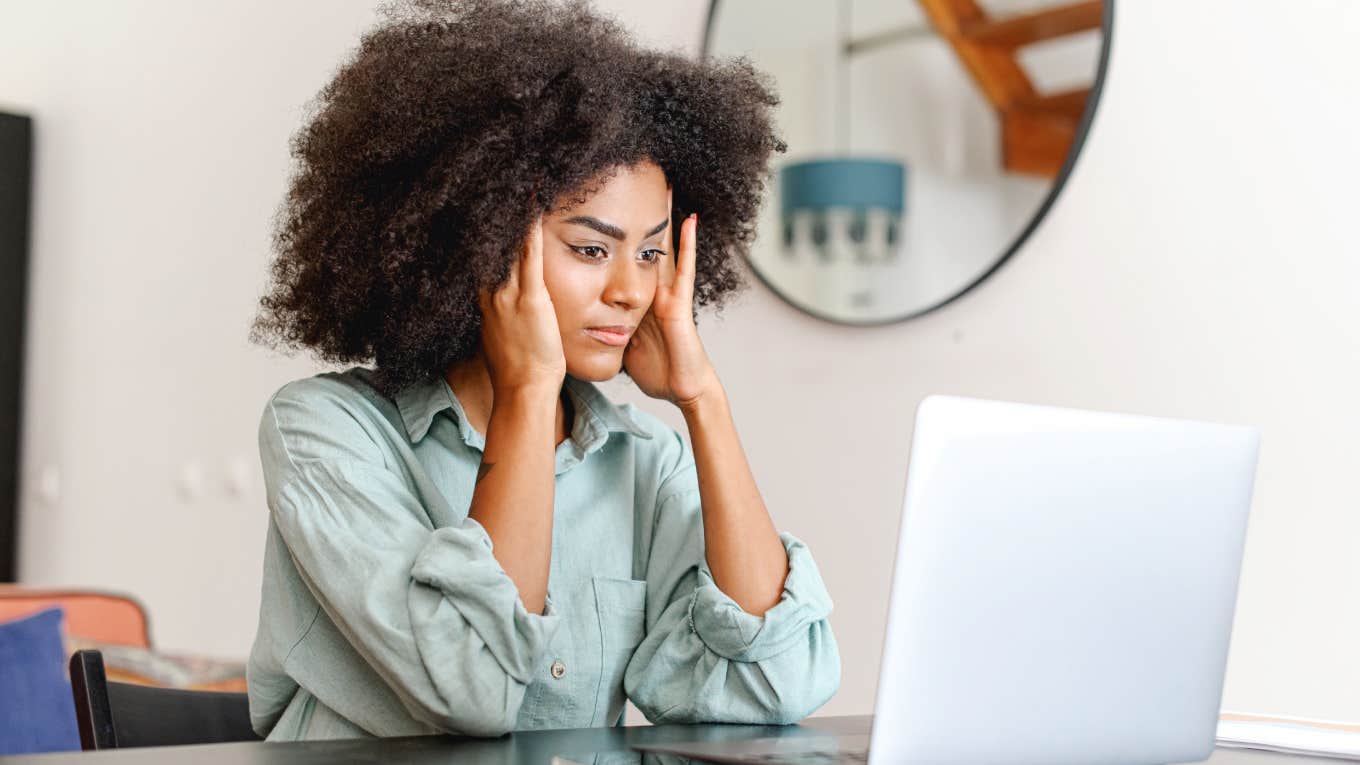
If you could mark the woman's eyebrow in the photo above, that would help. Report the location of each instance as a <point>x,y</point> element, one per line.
<point>610,230</point>
<point>658,228</point>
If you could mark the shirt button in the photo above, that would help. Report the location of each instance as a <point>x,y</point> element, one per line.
<point>558,669</point>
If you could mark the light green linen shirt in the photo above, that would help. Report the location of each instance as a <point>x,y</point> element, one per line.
<point>385,613</point>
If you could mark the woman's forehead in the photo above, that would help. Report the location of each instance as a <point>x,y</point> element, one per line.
<point>622,183</point>
<point>635,200</point>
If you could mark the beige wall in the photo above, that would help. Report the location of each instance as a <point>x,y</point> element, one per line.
<point>1202,263</point>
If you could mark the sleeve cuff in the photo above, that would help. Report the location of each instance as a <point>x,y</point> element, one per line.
<point>736,635</point>
<point>457,561</point>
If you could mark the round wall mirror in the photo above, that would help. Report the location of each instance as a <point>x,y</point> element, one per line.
<point>927,139</point>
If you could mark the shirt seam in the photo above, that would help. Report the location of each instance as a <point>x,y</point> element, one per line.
<point>686,464</point>
<point>599,618</point>
<point>316,614</point>
<point>283,442</point>
<point>662,501</point>
<point>293,462</point>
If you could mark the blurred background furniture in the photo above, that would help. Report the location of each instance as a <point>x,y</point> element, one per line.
<point>40,628</point>
<point>103,617</point>
<point>117,625</point>
<point>113,715</point>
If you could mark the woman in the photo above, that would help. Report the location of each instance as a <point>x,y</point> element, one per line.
<point>500,203</point>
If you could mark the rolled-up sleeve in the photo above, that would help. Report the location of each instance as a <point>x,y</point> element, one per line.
<point>429,609</point>
<point>704,659</point>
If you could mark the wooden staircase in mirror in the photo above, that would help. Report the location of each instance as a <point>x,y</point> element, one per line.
<point>1037,129</point>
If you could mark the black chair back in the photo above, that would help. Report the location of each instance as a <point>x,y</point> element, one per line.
<point>121,715</point>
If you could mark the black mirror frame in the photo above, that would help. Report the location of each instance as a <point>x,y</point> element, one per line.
<point>1078,143</point>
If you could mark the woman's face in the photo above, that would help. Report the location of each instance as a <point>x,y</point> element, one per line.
<point>601,260</point>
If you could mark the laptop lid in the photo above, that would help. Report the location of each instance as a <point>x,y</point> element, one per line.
<point>1064,587</point>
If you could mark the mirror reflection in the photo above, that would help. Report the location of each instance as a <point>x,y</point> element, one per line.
<point>925,140</point>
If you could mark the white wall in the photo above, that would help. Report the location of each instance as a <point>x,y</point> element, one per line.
<point>1201,263</point>
<point>161,153</point>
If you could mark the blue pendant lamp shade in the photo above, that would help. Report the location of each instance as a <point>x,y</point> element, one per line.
<point>816,187</point>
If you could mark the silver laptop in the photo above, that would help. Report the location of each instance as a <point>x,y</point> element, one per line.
<point>1063,593</point>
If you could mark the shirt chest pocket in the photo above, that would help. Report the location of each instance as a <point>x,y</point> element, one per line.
<point>621,607</point>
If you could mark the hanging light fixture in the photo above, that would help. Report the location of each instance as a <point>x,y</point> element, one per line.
<point>862,190</point>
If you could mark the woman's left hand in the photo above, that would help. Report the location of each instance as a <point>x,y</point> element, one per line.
<point>665,357</point>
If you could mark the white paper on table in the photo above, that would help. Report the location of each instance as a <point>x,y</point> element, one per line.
<point>1292,735</point>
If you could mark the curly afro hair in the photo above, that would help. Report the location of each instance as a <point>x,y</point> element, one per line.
<point>455,124</point>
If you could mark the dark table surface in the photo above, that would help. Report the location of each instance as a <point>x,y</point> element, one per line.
<point>591,746</point>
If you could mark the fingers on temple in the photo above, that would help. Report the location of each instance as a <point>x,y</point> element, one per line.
<point>684,264</point>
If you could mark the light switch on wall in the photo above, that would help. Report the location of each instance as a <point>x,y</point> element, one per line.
<point>49,485</point>
<point>240,477</point>
<point>192,478</point>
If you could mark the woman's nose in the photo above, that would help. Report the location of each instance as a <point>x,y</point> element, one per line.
<point>628,286</point>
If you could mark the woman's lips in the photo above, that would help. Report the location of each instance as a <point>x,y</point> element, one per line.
<point>612,335</point>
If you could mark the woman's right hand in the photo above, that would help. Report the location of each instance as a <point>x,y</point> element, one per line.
<point>520,338</point>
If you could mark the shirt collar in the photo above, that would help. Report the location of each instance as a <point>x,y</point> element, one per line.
<point>596,416</point>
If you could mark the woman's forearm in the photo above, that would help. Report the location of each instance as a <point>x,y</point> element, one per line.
<point>742,547</point>
<point>513,498</point>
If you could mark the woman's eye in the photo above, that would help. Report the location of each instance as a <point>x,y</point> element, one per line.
<point>652,256</point>
<point>591,252</point>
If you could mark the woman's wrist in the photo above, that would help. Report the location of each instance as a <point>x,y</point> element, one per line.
<point>710,403</point>
<point>531,402</point>
<point>532,392</point>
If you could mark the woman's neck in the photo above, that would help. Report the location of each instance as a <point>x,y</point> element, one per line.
<point>471,383</point>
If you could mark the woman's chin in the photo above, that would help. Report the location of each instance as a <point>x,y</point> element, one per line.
<point>597,367</point>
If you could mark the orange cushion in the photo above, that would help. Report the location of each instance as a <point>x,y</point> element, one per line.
<point>98,616</point>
